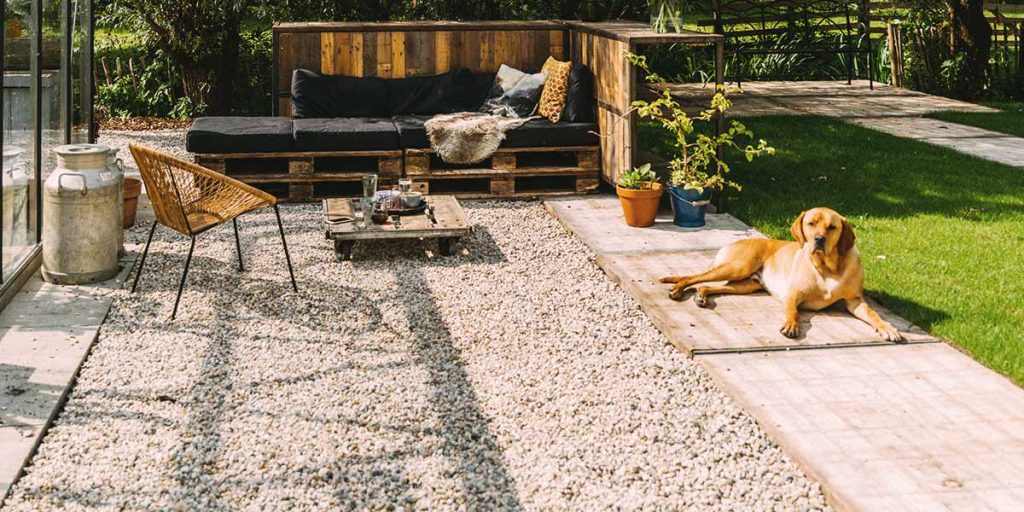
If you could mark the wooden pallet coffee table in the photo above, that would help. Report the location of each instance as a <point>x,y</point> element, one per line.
<point>448,225</point>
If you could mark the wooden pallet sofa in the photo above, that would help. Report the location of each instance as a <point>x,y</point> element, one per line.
<point>291,159</point>
<point>351,99</point>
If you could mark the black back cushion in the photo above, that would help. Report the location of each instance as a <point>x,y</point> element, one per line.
<point>455,91</point>
<point>320,96</point>
<point>579,101</point>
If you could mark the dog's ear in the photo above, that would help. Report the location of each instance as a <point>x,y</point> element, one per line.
<point>798,229</point>
<point>847,238</point>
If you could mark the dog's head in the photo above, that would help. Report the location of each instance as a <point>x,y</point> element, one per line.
<point>825,229</point>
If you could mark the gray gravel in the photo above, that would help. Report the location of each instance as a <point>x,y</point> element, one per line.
<point>514,375</point>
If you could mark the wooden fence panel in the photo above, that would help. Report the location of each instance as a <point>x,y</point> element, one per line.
<point>397,50</point>
<point>613,87</point>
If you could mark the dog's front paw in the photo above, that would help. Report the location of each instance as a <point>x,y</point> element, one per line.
<point>677,293</point>
<point>889,333</point>
<point>669,280</point>
<point>702,301</point>
<point>791,329</point>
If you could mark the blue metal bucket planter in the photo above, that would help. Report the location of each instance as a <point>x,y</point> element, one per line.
<point>689,206</point>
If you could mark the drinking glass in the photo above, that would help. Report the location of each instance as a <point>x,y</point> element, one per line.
<point>369,187</point>
<point>405,185</point>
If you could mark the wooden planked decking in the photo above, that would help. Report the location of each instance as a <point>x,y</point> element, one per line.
<point>913,427</point>
<point>824,98</point>
<point>637,258</point>
<point>737,323</point>
<point>881,426</point>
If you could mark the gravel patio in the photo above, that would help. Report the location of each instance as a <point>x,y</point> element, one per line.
<point>514,375</point>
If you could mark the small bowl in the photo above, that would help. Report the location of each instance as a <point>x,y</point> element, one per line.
<point>379,218</point>
<point>412,199</point>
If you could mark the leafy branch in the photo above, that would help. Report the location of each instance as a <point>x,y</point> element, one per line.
<point>696,164</point>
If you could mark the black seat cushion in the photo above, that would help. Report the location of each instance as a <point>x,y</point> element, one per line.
<point>239,135</point>
<point>535,133</point>
<point>317,96</point>
<point>579,100</point>
<point>411,133</point>
<point>544,133</point>
<point>458,90</point>
<point>345,134</point>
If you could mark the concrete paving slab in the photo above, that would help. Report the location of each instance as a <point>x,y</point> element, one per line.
<point>45,334</point>
<point>16,443</point>
<point>910,427</point>
<point>994,146</point>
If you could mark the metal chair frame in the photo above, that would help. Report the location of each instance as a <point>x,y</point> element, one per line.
<point>259,201</point>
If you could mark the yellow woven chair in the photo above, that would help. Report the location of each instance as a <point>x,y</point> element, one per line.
<point>192,199</point>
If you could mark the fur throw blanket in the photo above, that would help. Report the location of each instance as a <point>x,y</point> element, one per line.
<point>468,137</point>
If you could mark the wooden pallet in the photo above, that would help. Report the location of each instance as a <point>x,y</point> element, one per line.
<point>303,176</point>
<point>511,172</point>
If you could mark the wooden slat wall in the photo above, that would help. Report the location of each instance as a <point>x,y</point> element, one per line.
<point>400,53</point>
<point>614,83</point>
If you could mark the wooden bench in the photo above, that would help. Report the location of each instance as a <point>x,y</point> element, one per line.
<point>783,27</point>
<point>303,176</point>
<point>512,172</point>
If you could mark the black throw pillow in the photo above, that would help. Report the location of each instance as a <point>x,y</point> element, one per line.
<point>324,96</point>
<point>445,93</point>
<point>579,101</point>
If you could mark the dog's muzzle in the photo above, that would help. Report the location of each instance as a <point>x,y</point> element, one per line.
<point>819,243</point>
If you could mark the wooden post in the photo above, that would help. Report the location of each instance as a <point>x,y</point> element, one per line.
<point>106,72</point>
<point>718,199</point>
<point>131,71</point>
<point>895,42</point>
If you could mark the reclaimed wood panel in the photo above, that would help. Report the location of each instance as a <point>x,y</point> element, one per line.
<point>398,55</point>
<point>296,51</point>
<point>443,46</point>
<point>397,50</point>
<point>614,90</point>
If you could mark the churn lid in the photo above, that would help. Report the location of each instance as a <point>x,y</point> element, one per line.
<point>81,156</point>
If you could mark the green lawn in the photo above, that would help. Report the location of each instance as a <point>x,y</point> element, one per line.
<point>1010,121</point>
<point>941,233</point>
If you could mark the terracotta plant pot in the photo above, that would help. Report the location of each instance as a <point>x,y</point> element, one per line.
<point>132,189</point>
<point>640,207</point>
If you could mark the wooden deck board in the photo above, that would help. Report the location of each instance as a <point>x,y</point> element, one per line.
<point>597,221</point>
<point>915,427</point>
<point>737,323</point>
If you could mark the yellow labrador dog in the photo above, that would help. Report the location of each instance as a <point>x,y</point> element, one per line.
<point>819,269</point>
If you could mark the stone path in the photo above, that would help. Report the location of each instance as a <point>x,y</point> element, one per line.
<point>883,427</point>
<point>832,99</point>
<point>986,144</point>
<point>887,109</point>
<point>45,334</point>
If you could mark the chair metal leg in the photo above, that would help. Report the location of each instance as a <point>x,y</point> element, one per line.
<point>284,243</point>
<point>238,246</point>
<point>142,262</point>
<point>184,275</point>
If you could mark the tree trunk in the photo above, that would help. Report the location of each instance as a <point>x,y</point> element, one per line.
<point>970,36</point>
<point>222,85</point>
<point>194,82</point>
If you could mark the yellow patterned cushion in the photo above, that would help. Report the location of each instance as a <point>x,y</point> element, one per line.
<point>552,100</point>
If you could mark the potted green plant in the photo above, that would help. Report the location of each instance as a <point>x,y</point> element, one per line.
<point>640,194</point>
<point>697,167</point>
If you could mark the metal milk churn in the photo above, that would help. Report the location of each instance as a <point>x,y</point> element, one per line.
<point>15,199</point>
<point>81,216</point>
<point>116,166</point>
